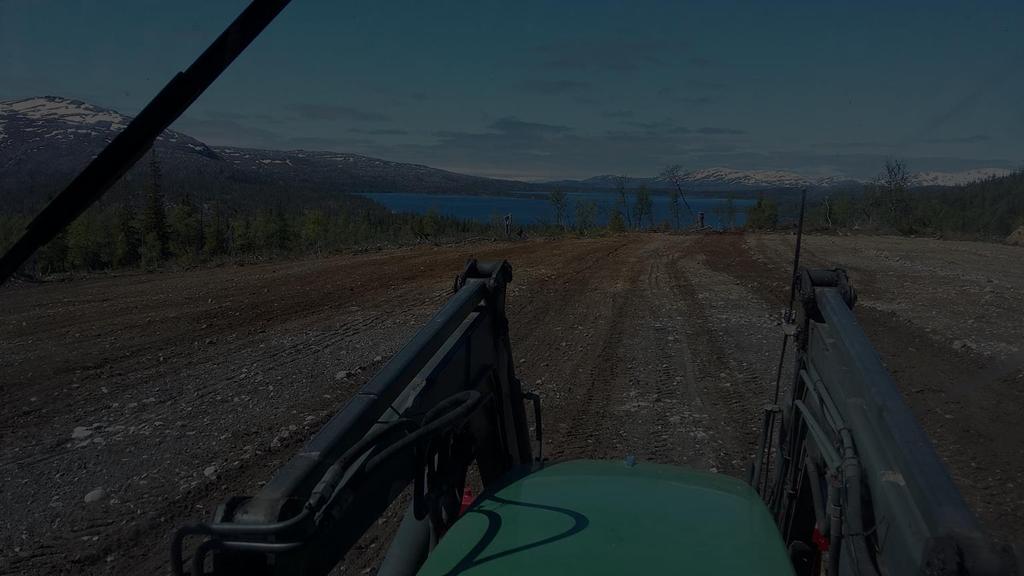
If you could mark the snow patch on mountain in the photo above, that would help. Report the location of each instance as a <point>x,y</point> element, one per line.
<point>773,178</point>
<point>958,178</point>
<point>65,110</point>
<point>54,130</point>
<point>784,179</point>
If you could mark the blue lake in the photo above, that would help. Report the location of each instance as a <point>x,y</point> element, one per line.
<point>528,209</point>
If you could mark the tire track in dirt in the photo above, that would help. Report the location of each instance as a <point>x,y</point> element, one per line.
<point>645,344</point>
<point>729,352</point>
<point>633,388</point>
<point>290,337</point>
<point>676,413</point>
<point>561,331</point>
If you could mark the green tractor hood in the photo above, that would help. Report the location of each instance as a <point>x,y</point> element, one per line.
<point>594,517</point>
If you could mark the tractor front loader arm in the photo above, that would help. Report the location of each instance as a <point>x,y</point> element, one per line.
<point>448,399</point>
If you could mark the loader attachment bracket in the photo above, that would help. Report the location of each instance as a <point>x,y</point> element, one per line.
<point>850,465</point>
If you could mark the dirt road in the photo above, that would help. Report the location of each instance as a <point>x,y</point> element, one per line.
<point>133,404</point>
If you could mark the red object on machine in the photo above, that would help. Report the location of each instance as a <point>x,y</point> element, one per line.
<point>819,539</point>
<point>467,500</point>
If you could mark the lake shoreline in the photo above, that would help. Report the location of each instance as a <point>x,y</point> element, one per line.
<point>529,208</point>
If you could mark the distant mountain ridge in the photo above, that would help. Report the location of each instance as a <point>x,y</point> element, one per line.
<point>730,179</point>
<point>959,178</point>
<point>716,180</point>
<point>45,141</point>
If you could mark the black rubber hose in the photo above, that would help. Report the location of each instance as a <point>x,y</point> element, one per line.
<point>448,413</point>
<point>329,482</point>
<point>467,402</point>
<point>854,533</point>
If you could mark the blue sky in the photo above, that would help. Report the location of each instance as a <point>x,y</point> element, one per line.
<point>544,90</point>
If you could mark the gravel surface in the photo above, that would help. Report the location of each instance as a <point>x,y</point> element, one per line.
<point>136,403</point>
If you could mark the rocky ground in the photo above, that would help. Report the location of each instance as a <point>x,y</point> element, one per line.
<point>135,403</point>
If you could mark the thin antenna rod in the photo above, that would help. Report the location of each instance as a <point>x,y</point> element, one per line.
<point>760,476</point>
<point>792,290</point>
<point>132,143</point>
<point>796,253</point>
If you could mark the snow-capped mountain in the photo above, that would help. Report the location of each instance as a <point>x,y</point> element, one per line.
<point>46,141</point>
<point>47,120</point>
<point>958,178</point>
<point>370,173</point>
<point>715,180</point>
<point>731,179</point>
<point>63,110</point>
<point>748,178</point>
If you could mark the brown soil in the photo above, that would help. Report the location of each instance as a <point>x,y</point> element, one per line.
<point>170,392</point>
